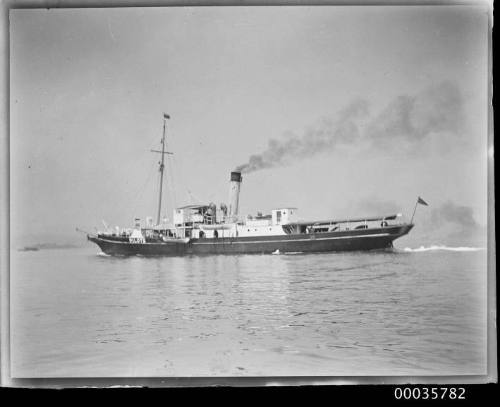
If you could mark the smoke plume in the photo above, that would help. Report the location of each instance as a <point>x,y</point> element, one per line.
<point>323,137</point>
<point>435,110</point>
<point>451,214</point>
<point>407,119</point>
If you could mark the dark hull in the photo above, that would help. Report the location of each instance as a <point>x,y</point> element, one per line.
<point>364,239</point>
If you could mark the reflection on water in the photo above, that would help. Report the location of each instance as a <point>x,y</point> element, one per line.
<point>75,313</point>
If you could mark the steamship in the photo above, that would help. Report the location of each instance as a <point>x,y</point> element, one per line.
<point>211,229</point>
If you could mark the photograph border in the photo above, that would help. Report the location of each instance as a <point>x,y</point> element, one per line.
<point>7,380</point>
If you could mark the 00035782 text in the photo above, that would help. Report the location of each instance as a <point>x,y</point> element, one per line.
<point>429,393</point>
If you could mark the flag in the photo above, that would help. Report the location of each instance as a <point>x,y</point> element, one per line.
<point>166,116</point>
<point>422,202</point>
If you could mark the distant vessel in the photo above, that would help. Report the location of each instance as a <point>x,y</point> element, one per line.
<point>208,229</point>
<point>29,249</point>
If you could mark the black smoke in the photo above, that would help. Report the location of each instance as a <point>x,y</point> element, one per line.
<point>407,119</point>
<point>436,110</point>
<point>451,214</point>
<point>324,136</point>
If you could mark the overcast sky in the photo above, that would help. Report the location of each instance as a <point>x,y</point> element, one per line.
<point>383,104</point>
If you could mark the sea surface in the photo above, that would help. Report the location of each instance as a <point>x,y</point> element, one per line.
<point>79,313</point>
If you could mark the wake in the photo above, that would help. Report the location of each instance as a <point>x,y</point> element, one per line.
<point>443,248</point>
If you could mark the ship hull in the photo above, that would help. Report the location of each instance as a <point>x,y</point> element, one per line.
<point>354,240</point>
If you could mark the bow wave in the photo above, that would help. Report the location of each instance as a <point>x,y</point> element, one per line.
<point>443,248</point>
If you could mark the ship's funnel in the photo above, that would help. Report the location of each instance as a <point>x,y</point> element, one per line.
<point>234,193</point>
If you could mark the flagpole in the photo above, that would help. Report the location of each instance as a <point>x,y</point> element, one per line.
<point>414,210</point>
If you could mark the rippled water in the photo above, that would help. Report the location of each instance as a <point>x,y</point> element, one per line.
<point>77,313</point>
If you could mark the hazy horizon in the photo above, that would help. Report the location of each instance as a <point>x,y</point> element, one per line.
<point>339,111</point>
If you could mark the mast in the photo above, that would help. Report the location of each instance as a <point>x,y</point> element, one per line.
<point>162,165</point>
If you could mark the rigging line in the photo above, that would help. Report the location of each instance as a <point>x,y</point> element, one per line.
<point>139,161</point>
<point>143,188</point>
<point>171,184</point>
<point>184,184</point>
<point>168,181</point>
<point>143,156</point>
<point>138,200</point>
<point>158,188</point>
<point>179,174</point>
<point>196,197</point>
<point>132,169</point>
<point>169,188</point>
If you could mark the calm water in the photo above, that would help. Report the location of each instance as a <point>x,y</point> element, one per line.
<point>77,313</point>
